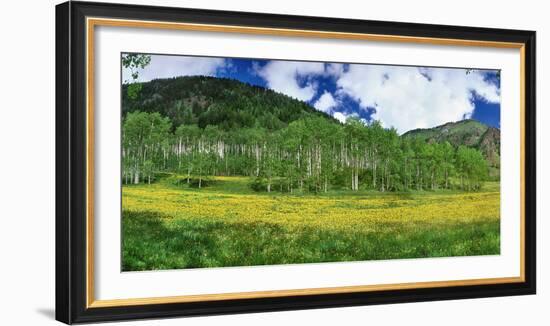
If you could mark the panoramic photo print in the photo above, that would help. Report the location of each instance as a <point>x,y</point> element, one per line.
<point>244,162</point>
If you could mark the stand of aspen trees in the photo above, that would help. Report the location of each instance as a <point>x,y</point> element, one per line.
<point>312,154</point>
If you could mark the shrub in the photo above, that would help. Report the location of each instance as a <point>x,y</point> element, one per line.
<point>258,184</point>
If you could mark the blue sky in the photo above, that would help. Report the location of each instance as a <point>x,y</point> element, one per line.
<point>402,97</point>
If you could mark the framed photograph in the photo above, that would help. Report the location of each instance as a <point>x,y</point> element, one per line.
<point>213,162</point>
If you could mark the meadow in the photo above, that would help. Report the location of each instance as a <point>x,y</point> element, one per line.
<point>170,225</point>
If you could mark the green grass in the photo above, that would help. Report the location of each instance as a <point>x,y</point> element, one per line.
<point>169,226</point>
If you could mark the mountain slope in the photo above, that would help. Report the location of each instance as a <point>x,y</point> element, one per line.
<point>227,103</point>
<point>466,132</point>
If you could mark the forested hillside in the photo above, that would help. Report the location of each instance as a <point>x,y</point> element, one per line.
<point>225,103</point>
<point>198,127</point>
<point>467,132</point>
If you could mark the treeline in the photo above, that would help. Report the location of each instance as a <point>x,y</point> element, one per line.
<point>312,154</point>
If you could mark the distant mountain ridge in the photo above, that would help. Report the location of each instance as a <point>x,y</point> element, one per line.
<point>467,132</point>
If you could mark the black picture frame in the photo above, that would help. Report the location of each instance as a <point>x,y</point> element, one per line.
<point>71,158</point>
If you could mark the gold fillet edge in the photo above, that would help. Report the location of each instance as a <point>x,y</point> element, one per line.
<point>296,292</point>
<point>90,161</point>
<point>92,303</point>
<point>522,161</point>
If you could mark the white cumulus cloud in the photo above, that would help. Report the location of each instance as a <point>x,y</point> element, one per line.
<point>326,102</point>
<point>335,69</point>
<point>283,77</point>
<point>165,66</point>
<point>340,117</point>
<point>412,97</point>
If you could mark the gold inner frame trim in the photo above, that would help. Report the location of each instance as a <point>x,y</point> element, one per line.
<point>92,22</point>
<point>300,292</point>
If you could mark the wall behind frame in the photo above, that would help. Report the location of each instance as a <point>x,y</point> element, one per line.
<point>27,164</point>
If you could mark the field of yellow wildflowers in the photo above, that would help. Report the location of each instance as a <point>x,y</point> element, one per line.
<point>171,226</point>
